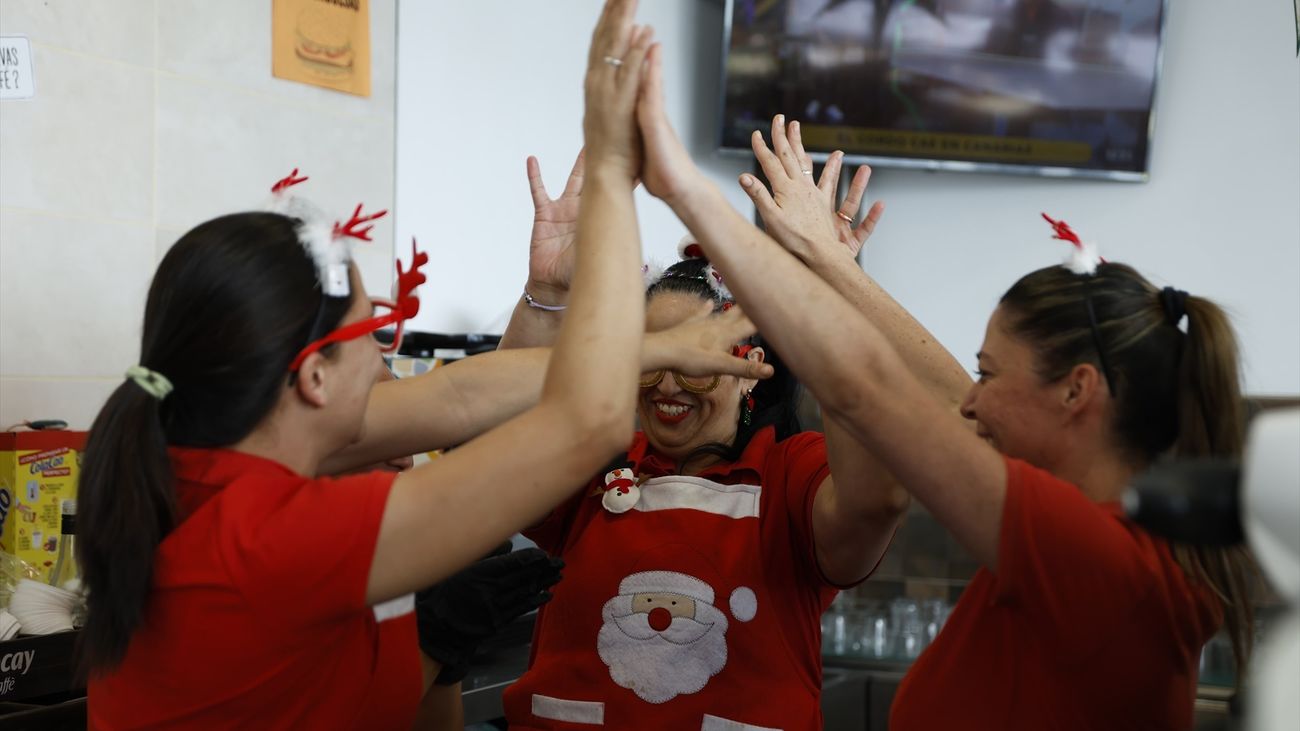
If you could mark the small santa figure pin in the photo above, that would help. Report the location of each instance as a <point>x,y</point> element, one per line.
<point>621,491</point>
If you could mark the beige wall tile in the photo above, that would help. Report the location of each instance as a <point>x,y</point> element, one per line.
<point>230,43</point>
<point>76,401</point>
<point>212,164</point>
<point>84,144</point>
<point>71,294</point>
<point>121,30</point>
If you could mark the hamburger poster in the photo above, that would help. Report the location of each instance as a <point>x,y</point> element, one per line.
<point>322,42</point>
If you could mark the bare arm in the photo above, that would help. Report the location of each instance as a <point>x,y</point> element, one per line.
<point>441,708</point>
<point>857,509</point>
<point>453,404</point>
<point>801,217</point>
<point>857,375</point>
<point>443,515</point>
<point>444,407</point>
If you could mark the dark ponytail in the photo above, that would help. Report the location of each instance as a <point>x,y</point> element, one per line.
<point>125,506</point>
<point>231,304</point>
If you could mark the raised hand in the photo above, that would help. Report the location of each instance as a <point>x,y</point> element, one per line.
<point>669,172</point>
<point>555,227</point>
<point>703,348</point>
<point>799,213</point>
<point>611,87</point>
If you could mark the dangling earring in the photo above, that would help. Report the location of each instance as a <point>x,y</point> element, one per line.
<point>747,408</point>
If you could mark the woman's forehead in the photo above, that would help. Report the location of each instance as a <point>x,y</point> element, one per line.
<point>666,309</point>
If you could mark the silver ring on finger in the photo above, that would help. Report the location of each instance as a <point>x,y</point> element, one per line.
<point>806,172</point>
<point>844,216</point>
<point>614,61</point>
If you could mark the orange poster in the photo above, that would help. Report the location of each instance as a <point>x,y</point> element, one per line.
<point>322,42</point>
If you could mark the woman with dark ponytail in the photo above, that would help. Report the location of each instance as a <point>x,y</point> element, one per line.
<point>229,585</point>
<point>1078,619</point>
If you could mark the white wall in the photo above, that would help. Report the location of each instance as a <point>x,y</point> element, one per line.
<point>149,118</point>
<point>482,85</point>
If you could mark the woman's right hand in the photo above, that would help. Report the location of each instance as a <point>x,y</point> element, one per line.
<point>704,348</point>
<point>614,74</point>
<point>800,213</point>
<point>669,172</point>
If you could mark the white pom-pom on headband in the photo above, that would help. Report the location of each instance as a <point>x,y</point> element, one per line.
<point>1083,258</point>
<point>651,272</point>
<point>328,243</point>
<point>689,248</point>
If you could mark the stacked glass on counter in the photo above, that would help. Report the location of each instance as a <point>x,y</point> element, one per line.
<point>897,630</point>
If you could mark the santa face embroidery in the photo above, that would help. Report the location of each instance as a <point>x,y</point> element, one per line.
<point>662,637</point>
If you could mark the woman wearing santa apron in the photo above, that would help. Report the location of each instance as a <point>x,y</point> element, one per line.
<point>699,565</point>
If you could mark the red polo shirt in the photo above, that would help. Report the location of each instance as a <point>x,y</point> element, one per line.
<point>258,617</point>
<point>1089,623</point>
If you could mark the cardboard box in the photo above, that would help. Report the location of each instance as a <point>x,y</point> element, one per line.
<point>38,471</point>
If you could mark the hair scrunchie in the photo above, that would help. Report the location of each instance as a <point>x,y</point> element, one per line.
<point>155,384</point>
<point>1174,302</point>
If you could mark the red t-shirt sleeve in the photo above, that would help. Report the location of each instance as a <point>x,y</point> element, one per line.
<point>803,467</point>
<point>304,551</point>
<point>1073,565</point>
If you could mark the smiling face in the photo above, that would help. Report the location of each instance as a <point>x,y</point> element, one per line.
<point>675,420</point>
<point>1013,408</point>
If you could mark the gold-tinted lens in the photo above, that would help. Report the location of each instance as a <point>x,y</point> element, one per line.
<point>697,384</point>
<point>650,380</point>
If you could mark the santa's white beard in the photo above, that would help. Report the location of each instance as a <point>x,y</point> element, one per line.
<point>661,666</point>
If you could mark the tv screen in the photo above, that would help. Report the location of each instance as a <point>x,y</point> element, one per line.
<point>1053,87</point>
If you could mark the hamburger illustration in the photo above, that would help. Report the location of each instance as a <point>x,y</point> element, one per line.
<point>323,41</point>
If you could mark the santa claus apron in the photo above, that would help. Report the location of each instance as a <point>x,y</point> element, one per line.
<point>687,601</point>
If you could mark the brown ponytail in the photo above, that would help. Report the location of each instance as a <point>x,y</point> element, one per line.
<point>1211,424</point>
<point>1176,394</point>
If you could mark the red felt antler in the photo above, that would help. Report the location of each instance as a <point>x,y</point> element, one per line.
<point>354,228</point>
<point>1063,231</point>
<point>408,280</point>
<point>288,181</point>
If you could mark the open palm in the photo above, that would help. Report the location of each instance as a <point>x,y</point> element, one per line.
<point>555,227</point>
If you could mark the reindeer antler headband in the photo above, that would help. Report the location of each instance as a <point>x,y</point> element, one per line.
<point>1083,257</point>
<point>328,243</point>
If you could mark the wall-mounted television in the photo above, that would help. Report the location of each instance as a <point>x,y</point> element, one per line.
<point>1048,87</point>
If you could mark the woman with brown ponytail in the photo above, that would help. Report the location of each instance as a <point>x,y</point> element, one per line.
<point>1078,619</point>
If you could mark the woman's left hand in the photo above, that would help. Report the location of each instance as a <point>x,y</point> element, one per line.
<point>704,348</point>
<point>555,227</point>
<point>799,213</point>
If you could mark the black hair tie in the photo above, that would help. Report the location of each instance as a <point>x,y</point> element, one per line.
<point>1174,302</point>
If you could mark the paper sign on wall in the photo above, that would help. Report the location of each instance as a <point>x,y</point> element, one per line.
<point>323,43</point>
<point>16,80</point>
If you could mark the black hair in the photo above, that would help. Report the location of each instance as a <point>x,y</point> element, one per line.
<point>775,399</point>
<point>230,306</point>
